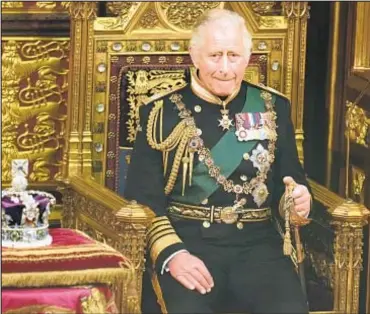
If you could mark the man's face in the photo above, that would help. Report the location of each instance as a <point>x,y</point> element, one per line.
<point>221,59</point>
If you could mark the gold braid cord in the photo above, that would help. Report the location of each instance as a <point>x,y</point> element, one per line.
<point>179,138</point>
<point>286,206</point>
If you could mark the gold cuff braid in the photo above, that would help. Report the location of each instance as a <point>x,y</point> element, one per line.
<point>160,236</point>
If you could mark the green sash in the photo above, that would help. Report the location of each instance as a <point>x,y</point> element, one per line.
<point>227,154</point>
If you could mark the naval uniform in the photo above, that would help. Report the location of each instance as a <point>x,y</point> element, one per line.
<point>214,186</point>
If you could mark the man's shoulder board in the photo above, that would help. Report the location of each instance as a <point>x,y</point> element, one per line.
<point>163,94</point>
<point>269,89</point>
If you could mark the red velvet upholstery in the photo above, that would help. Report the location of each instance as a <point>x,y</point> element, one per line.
<point>73,259</point>
<point>83,299</point>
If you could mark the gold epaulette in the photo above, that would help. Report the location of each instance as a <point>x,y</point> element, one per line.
<point>163,94</point>
<point>269,89</point>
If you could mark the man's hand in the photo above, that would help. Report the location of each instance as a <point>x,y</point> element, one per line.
<point>301,197</point>
<point>191,272</point>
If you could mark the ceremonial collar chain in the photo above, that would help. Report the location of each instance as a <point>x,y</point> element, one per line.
<point>198,89</point>
<point>255,186</point>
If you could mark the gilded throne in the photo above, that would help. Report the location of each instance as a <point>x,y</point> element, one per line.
<point>139,51</point>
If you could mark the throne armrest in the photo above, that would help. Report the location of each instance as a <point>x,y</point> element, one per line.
<point>338,258</point>
<point>111,219</point>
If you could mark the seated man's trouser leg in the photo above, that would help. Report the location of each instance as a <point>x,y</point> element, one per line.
<point>179,299</point>
<point>248,264</point>
<point>265,280</point>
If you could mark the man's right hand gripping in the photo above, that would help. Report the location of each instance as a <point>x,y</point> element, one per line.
<point>191,272</point>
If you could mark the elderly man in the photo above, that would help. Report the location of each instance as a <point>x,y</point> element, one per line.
<point>212,160</point>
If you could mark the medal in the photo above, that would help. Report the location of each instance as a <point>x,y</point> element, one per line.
<point>225,121</point>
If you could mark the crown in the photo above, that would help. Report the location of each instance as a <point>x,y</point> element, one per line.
<point>25,215</point>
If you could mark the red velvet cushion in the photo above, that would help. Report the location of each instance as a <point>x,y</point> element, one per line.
<point>72,258</point>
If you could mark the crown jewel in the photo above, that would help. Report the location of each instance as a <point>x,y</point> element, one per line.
<point>25,215</point>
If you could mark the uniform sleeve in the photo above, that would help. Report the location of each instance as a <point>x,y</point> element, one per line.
<point>286,157</point>
<point>145,184</point>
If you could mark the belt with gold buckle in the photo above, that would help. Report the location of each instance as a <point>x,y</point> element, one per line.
<point>227,215</point>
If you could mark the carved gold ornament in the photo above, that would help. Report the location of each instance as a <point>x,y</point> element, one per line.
<point>12,4</point>
<point>46,4</point>
<point>149,19</point>
<point>142,85</point>
<point>34,83</point>
<point>262,7</point>
<point>358,179</point>
<point>123,12</point>
<point>357,124</point>
<point>184,15</point>
<point>119,8</point>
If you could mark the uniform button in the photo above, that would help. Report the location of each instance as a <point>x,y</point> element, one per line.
<point>246,156</point>
<point>199,132</point>
<point>197,109</point>
<point>206,224</point>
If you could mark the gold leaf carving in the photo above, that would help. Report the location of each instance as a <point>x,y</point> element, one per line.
<point>358,179</point>
<point>263,7</point>
<point>268,21</point>
<point>46,4</point>
<point>357,124</point>
<point>296,9</point>
<point>12,4</point>
<point>102,46</point>
<point>34,86</point>
<point>144,84</point>
<point>81,9</point>
<point>185,14</point>
<point>119,8</point>
<point>160,45</point>
<point>277,45</point>
<point>123,12</point>
<point>149,19</point>
<point>65,4</point>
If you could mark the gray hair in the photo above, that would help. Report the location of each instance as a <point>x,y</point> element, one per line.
<point>221,16</point>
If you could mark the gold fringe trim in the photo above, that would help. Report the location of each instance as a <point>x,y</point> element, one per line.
<point>284,210</point>
<point>68,278</point>
<point>158,292</point>
<point>50,258</point>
